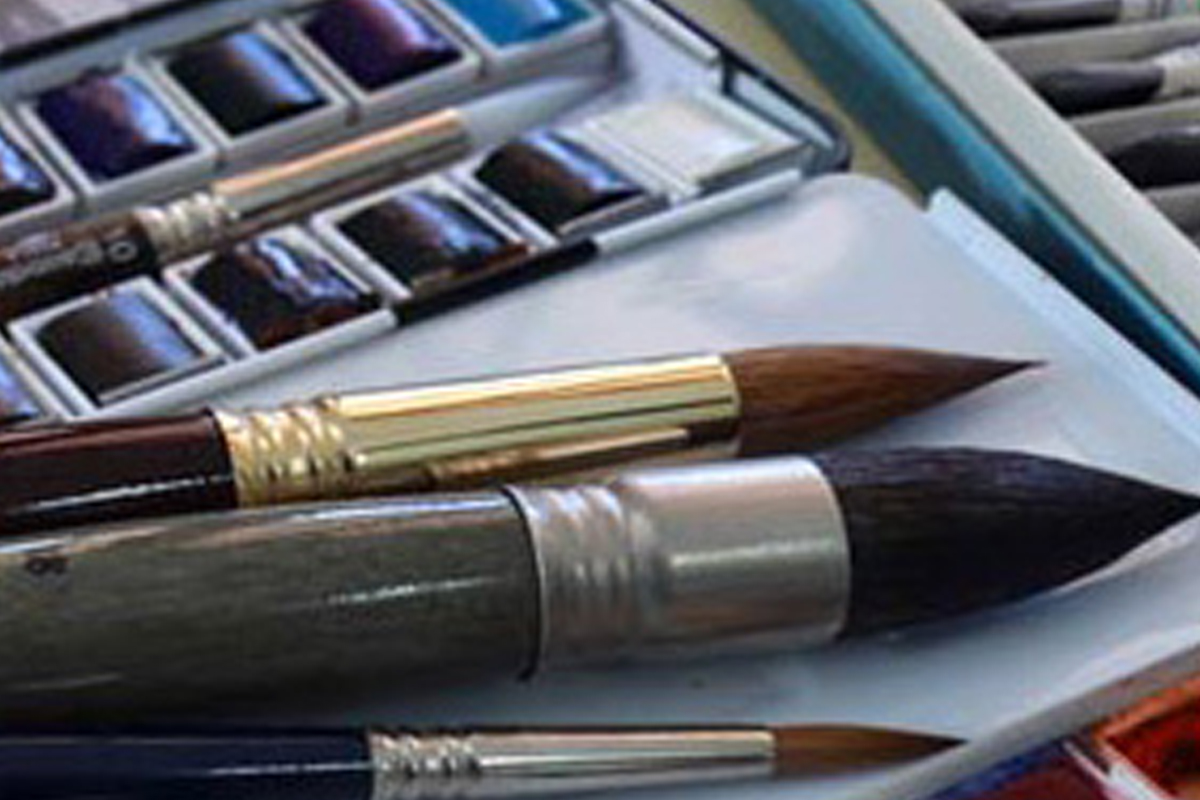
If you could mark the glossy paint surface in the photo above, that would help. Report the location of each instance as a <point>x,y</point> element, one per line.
<point>16,404</point>
<point>512,22</point>
<point>113,125</point>
<point>274,292</point>
<point>22,182</point>
<point>245,82</point>
<point>425,239</point>
<point>554,179</point>
<point>379,42</point>
<point>113,342</point>
<point>1156,744</point>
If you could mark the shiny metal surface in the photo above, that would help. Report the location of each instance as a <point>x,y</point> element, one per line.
<point>466,434</point>
<point>751,553</point>
<point>187,226</point>
<point>417,766</point>
<point>376,159</point>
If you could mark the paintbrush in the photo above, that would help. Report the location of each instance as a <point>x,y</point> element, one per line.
<point>1099,86</point>
<point>1164,158</point>
<point>48,267</point>
<point>389,764</point>
<point>1006,17</point>
<point>473,433</point>
<point>331,601</point>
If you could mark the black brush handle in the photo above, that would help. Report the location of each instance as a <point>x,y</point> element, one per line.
<point>292,607</point>
<point>1098,87</point>
<point>1007,17</point>
<point>274,765</point>
<point>53,266</point>
<point>1167,158</point>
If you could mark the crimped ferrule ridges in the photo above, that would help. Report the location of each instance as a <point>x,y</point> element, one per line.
<point>447,766</point>
<point>464,435</point>
<point>748,556</point>
<point>291,454</point>
<point>187,226</point>
<point>411,766</point>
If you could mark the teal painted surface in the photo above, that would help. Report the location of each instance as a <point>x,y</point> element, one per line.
<point>939,144</point>
<point>509,22</point>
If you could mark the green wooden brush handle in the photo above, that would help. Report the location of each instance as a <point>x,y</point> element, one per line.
<point>173,615</point>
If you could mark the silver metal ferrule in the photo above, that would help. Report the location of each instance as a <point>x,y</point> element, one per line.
<point>732,556</point>
<point>419,766</point>
<point>188,226</point>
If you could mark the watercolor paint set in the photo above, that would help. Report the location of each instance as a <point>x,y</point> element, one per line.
<point>663,130</point>
<point>683,201</point>
<point>1146,752</point>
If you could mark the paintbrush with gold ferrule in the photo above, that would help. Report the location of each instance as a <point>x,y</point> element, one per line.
<point>472,433</point>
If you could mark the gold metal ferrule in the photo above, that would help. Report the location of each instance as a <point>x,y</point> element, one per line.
<point>469,434</point>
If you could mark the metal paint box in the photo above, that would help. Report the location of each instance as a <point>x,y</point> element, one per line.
<point>642,50</point>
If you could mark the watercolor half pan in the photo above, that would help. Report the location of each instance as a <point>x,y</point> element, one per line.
<point>254,96</point>
<point>703,140</point>
<point>117,137</point>
<point>1152,751</point>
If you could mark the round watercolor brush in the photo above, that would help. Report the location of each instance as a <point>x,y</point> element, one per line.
<point>48,267</point>
<point>1100,86</point>
<point>324,603</point>
<point>388,764</point>
<point>1008,17</point>
<point>1157,160</point>
<point>472,433</point>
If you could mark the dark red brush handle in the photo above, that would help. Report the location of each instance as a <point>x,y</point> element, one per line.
<point>86,473</point>
<point>50,267</point>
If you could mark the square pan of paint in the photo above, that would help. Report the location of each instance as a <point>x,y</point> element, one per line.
<point>703,139</point>
<point>564,184</point>
<point>1154,747</point>
<point>32,195</point>
<point>521,34</point>
<point>272,290</point>
<point>392,57</point>
<point>253,94</point>
<point>105,348</point>
<point>424,237</point>
<point>1052,773</point>
<point>20,402</point>
<point>118,136</point>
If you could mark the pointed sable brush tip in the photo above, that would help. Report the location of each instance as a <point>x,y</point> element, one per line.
<point>831,750</point>
<point>935,533</point>
<point>803,398</point>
